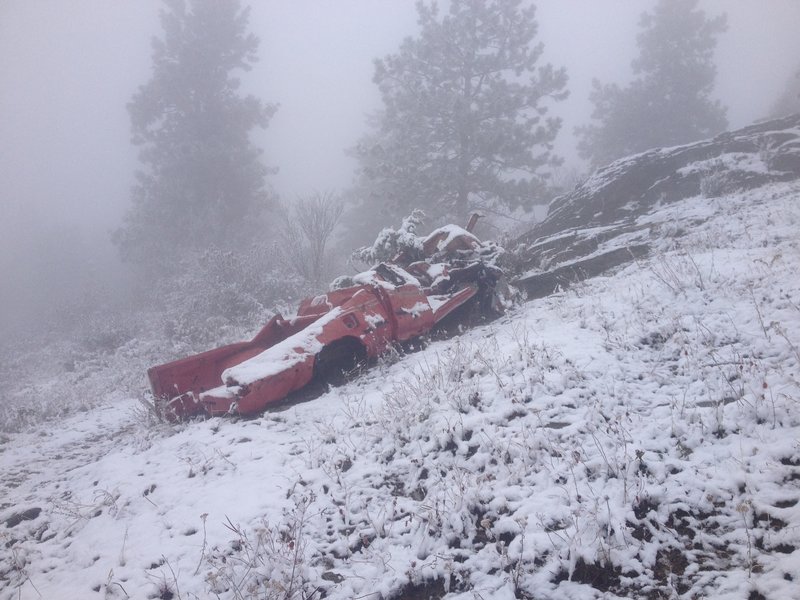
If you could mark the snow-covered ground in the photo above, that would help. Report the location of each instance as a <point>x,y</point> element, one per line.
<point>636,436</point>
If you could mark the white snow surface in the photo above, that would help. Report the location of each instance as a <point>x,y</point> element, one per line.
<point>451,232</point>
<point>645,423</point>
<point>282,356</point>
<point>437,301</point>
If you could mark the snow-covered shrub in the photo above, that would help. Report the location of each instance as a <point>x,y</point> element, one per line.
<point>391,242</point>
<point>679,273</point>
<point>268,563</point>
<point>717,182</point>
<point>221,294</point>
<point>105,332</point>
<point>767,151</point>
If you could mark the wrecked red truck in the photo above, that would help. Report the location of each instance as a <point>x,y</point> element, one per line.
<point>333,333</point>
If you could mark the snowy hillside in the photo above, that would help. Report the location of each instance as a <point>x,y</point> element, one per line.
<point>636,436</point>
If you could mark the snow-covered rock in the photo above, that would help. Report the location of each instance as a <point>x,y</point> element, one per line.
<point>604,221</point>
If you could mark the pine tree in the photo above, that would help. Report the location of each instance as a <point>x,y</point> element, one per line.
<point>789,100</point>
<point>464,119</point>
<point>201,180</point>
<point>669,102</point>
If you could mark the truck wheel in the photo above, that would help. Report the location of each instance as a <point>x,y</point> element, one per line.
<point>336,362</point>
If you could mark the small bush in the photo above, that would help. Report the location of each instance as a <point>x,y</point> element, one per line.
<point>270,562</point>
<point>716,183</point>
<point>220,294</point>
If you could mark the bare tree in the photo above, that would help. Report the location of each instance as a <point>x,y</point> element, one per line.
<point>306,229</point>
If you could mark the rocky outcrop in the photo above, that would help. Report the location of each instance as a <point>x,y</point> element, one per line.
<point>597,226</point>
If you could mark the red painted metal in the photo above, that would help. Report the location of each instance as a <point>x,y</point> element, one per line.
<point>246,377</point>
<point>182,381</point>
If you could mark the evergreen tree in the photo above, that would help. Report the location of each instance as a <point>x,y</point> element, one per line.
<point>789,100</point>
<point>202,181</point>
<point>668,103</point>
<point>464,119</point>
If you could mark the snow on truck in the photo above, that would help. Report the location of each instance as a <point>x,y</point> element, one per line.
<point>332,333</point>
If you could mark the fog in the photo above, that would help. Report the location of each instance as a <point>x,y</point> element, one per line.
<point>70,67</point>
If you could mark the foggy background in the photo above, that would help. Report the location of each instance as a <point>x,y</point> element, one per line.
<point>70,67</point>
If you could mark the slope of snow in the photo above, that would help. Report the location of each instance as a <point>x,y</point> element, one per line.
<point>636,436</point>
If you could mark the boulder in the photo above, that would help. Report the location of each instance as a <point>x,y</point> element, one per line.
<point>597,225</point>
